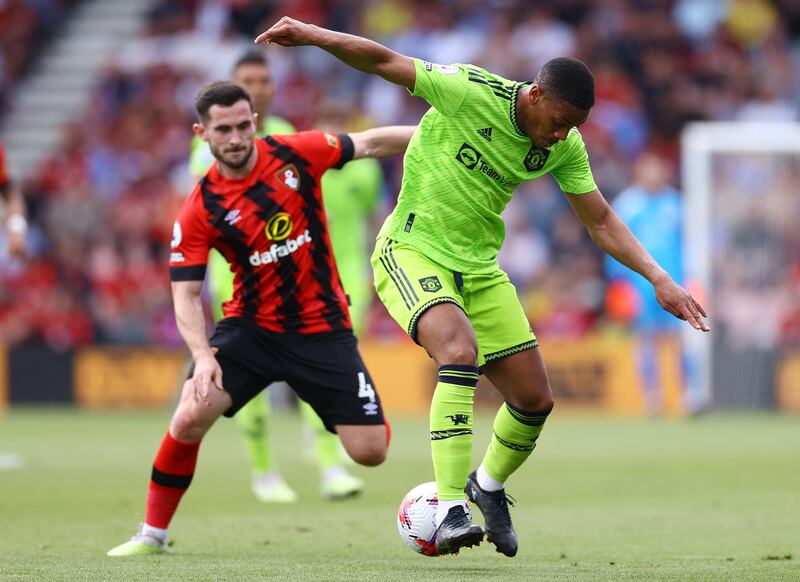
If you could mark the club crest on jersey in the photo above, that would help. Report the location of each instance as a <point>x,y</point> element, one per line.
<point>430,284</point>
<point>289,176</point>
<point>536,159</point>
<point>279,226</point>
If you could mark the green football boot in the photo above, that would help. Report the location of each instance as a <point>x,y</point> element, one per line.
<point>142,544</point>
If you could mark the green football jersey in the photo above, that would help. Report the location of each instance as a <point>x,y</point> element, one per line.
<point>464,162</point>
<point>220,276</point>
<point>351,197</point>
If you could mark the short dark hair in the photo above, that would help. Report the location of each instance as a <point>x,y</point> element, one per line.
<point>251,57</point>
<point>568,79</point>
<point>219,93</point>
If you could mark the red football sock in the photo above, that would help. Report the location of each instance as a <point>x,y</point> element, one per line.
<point>173,470</point>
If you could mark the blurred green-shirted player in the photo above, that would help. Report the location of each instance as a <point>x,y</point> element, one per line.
<point>435,262</point>
<point>252,73</point>
<point>352,201</point>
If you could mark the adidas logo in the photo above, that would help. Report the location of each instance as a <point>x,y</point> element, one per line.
<point>486,133</point>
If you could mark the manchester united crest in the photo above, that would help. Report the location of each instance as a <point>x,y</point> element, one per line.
<point>536,159</point>
<point>430,284</point>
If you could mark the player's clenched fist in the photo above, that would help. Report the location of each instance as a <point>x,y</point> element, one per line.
<point>289,32</point>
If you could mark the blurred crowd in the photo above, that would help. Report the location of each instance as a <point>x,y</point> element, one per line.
<point>23,24</point>
<point>102,207</point>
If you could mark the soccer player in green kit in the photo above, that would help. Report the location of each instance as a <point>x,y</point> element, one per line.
<point>435,262</point>
<point>252,73</point>
<point>352,199</point>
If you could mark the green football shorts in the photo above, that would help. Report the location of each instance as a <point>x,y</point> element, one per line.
<point>408,283</point>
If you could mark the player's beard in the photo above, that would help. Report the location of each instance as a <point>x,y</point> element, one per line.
<point>227,159</point>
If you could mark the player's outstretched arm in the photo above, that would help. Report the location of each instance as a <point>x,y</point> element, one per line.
<point>612,235</point>
<point>360,53</point>
<point>192,325</point>
<point>382,142</point>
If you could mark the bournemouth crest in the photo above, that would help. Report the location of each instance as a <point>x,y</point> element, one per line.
<point>289,177</point>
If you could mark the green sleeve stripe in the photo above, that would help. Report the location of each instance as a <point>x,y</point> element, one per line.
<point>494,83</point>
<point>489,77</point>
<point>478,77</point>
<point>497,92</point>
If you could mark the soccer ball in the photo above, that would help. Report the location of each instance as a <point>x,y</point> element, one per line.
<point>416,519</point>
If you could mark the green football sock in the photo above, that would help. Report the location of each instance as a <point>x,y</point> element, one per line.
<point>514,438</point>
<point>451,429</point>
<point>253,420</point>
<point>328,452</point>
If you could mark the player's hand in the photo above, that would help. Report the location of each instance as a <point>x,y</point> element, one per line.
<point>290,32</point>
<point>207,374</point>
<point>675,299</point>
<point>16,245</point>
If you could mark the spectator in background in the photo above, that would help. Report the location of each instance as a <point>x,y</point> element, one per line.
<point>15,212</point>
<point>706,60</point>
<point>653,210</point>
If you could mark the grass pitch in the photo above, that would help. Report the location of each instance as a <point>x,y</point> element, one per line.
<point>715,498</point>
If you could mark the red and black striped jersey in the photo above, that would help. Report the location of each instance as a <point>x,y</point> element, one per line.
<point>271,227</point>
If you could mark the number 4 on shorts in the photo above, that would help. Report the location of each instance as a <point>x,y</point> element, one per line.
<point>364,389</point>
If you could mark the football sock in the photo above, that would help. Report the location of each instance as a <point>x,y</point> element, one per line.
<point>173,470</point>
<point>328,453</point>
<point>451,429</point>
<point>253,422</point>
<point>514,438</point>
<point>485,481</point>
<point>156,532</point>
<point>332,473</point>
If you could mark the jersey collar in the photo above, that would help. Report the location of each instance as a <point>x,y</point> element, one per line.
<point>512,111</point>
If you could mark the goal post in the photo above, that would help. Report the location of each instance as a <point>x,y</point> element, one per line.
<point>741,184</point>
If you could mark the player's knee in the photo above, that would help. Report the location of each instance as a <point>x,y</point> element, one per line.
<point>366,445</point>
<point>540,401</point>
<point>187,427</point>
<point>462,352</point>
<point>368,453</point>
<point>371,457</point>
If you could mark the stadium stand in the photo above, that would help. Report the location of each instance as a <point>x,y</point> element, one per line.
<point>103,205</point>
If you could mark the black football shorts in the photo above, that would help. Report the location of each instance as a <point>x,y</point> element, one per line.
<point>324,369</point>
